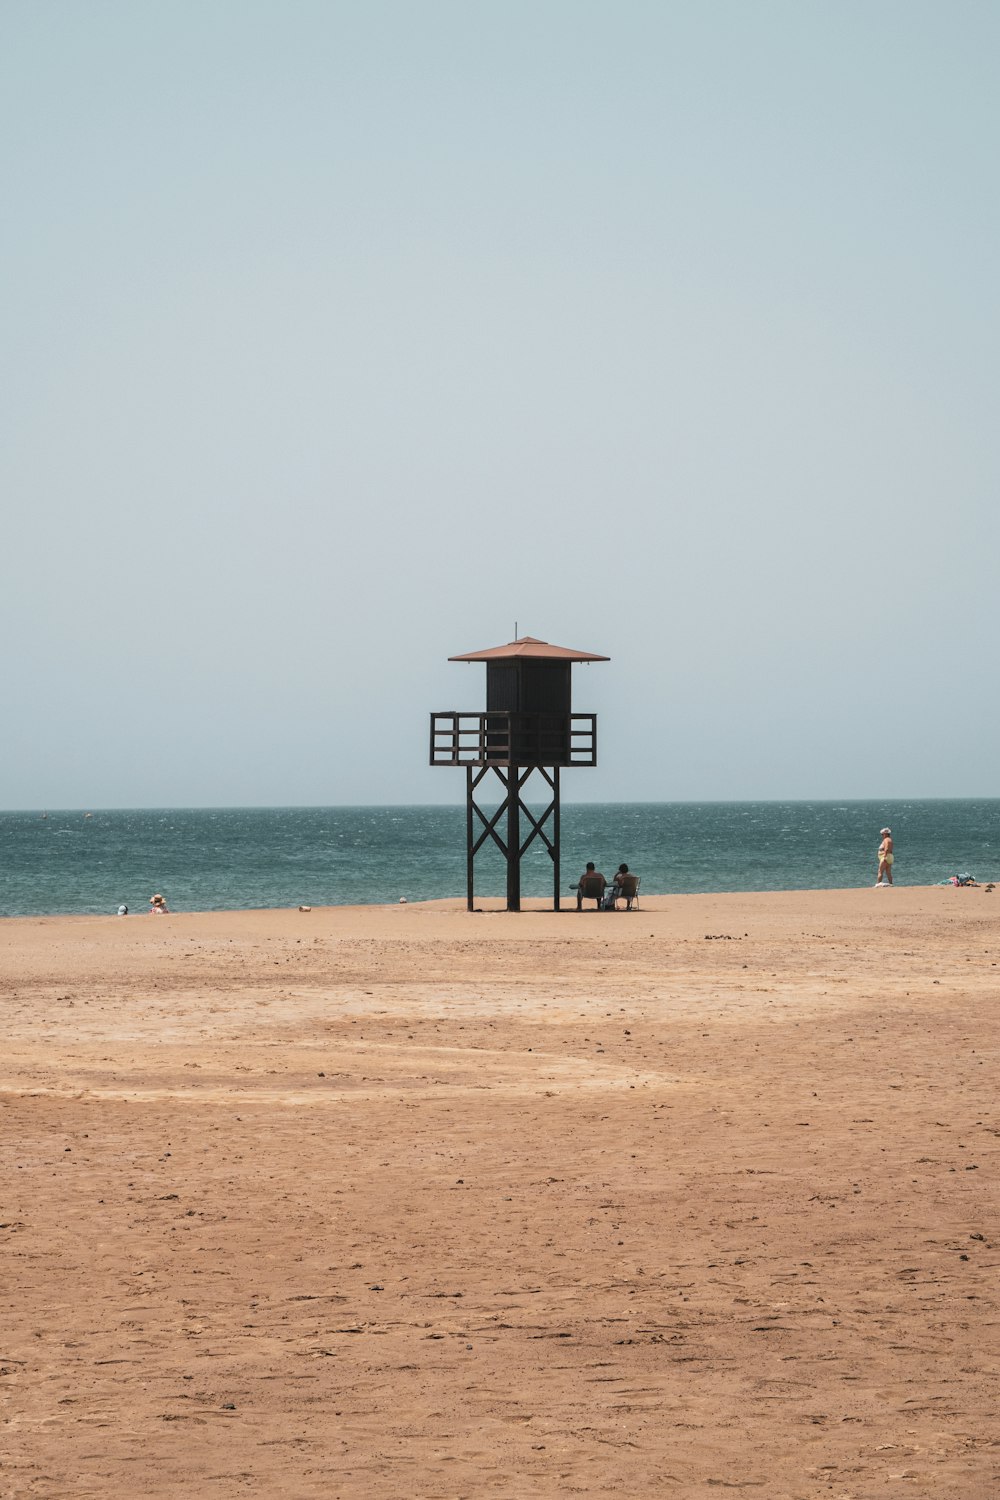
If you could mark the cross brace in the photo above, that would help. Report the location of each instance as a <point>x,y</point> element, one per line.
<point>508,817</point>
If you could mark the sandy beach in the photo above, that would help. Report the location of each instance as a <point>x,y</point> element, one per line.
<point>403,1201</point>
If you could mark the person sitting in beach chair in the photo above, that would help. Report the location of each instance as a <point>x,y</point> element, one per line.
<point>625,887</point>
<point>591,887</point>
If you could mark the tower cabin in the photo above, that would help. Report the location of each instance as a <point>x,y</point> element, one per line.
<point>528,726</point>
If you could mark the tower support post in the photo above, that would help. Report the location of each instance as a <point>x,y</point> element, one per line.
<point>554,851</point>
<point>513,840</point>
<point>470,853</point>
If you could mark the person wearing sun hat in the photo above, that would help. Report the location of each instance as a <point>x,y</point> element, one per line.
<point>885,858</point>
<point>157,905</point>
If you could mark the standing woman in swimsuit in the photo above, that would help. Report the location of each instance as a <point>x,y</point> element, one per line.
<point>885,857</point>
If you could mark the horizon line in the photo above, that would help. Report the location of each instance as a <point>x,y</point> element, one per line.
<point>40,810</point>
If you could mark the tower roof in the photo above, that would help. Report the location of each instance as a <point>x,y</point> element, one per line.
<point>528,646</point>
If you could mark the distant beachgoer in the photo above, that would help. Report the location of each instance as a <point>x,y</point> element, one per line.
<point>158,906</point>
<point>595,882</point>
<point>123,910</point>
<point>885,858</point>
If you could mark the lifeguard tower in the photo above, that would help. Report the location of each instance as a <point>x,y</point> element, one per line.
<point>528,726</point>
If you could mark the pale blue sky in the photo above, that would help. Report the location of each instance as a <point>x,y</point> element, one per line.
<point>336,337</point>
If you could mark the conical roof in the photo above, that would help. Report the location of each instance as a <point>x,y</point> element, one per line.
<point>529,646</point>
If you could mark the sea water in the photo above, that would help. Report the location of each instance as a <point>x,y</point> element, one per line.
<point>212,858</point>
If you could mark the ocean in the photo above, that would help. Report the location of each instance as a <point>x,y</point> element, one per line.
<point>207,859</point>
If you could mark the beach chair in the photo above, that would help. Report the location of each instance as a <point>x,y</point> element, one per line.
<point>628,892</point>
<point>592,889</point>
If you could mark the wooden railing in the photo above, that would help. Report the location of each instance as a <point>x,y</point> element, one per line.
<point>517,739</point>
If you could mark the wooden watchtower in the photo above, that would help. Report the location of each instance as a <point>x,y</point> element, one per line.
<point>528,726</point>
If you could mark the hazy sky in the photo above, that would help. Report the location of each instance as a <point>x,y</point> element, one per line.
<point>336,338</point>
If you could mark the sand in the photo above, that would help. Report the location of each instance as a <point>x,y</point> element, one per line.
<point>411,1202</point>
